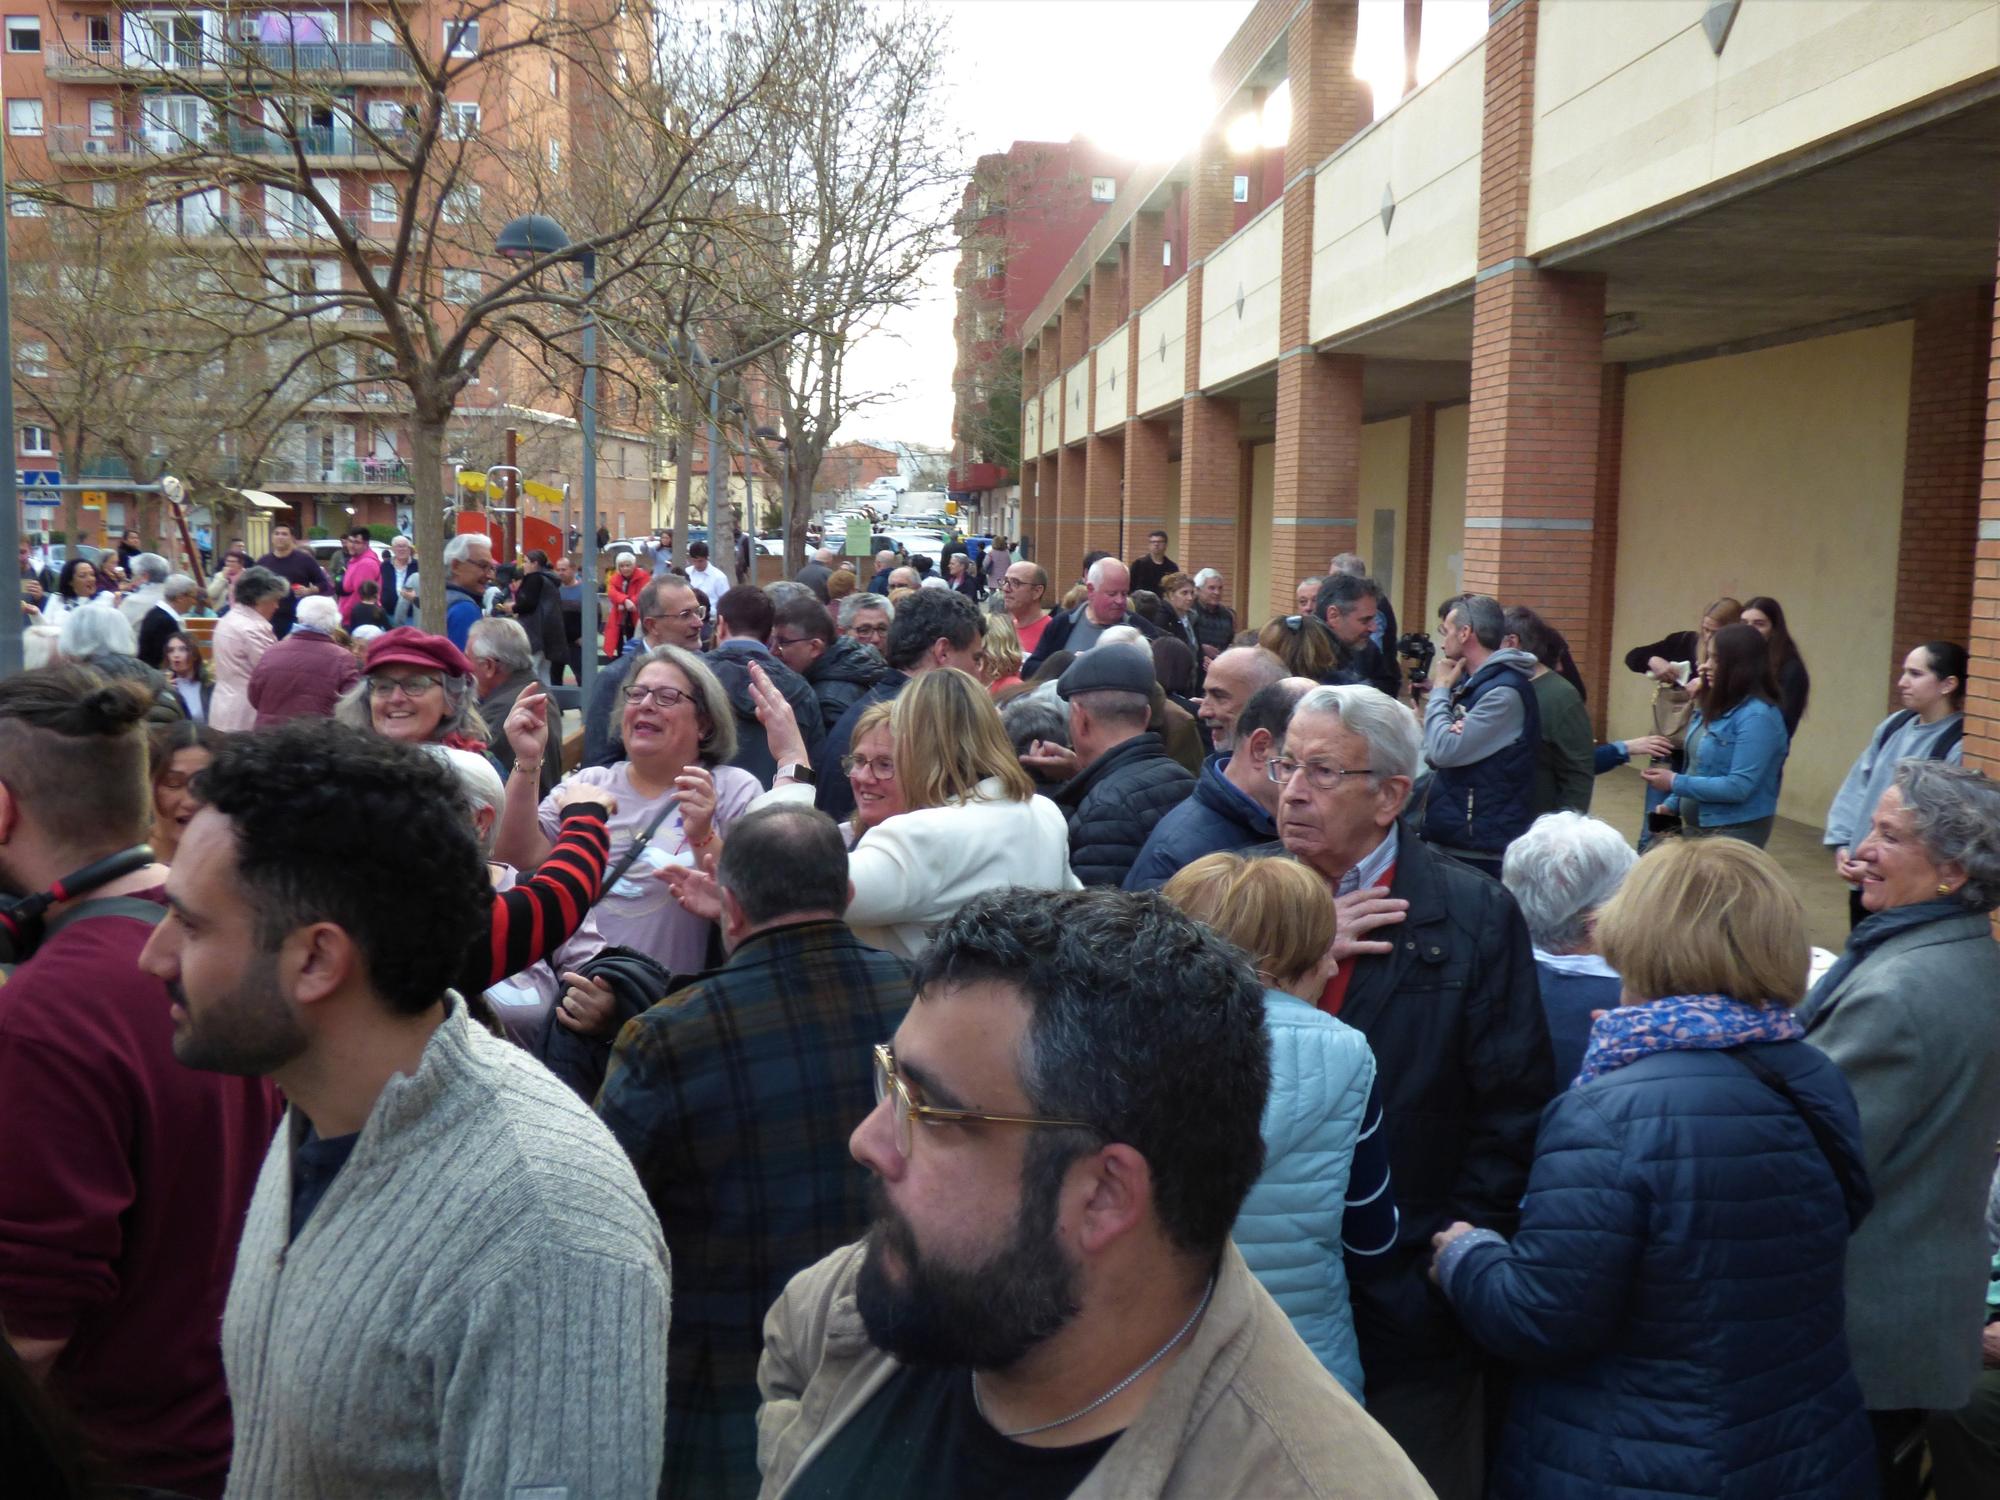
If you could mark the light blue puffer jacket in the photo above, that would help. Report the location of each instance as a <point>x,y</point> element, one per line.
<point>1289,1227</point>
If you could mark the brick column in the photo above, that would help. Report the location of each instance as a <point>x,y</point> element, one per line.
<point>1982,704</point>
<point>1103,458</point>
<point>1537,374</point>
<point>1417,518</point>
<point>1211,466</point>
<point>1317,486</point>
<point>1070,347</point>
<point>1145,502</point>
<point>1941,462</point>
<point>1595,660</point>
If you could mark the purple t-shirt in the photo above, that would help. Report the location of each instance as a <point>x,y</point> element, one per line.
<point>295,567</point>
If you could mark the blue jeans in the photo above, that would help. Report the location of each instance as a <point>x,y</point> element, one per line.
<point>1654,797</point>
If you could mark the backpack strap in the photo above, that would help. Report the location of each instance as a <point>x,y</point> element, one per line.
<point>1943,745</point>
<point>135,908</point>
<point>1893,726</point>
<point>1851,1176</point>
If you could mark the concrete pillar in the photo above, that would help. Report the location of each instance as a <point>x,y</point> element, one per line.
<point>1982,704</point>
<point>1211,465</point>
<point>1941,462</point>
<point>1316,492</point>
<point>1537,375</point>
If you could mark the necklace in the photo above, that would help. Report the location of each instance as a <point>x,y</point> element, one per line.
<point>1158,1355</point>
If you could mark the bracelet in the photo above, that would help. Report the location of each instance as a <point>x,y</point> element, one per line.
<point>703,843</point>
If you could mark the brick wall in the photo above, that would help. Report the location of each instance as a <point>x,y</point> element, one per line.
<point>1103,478</point>
<point>1982,707</point>
<point>1415,609</point>
<point>1595,658</point>
<point>1941,466</point>
<point>1148,502</point>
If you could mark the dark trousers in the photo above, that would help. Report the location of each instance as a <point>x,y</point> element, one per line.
<point>1439,1421</point>
<point>1899,1453</point>
<point>1965,1444</point>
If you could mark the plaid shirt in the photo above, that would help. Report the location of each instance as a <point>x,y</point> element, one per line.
<point>735,1099</point>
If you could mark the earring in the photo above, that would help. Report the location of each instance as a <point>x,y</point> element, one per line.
<point>1943,889</point>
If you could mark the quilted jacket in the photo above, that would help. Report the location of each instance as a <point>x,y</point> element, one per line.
<point>1289,1226</point>
<point>1673,1298</point>
<point>1113,803</point>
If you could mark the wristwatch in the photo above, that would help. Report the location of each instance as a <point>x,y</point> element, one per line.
<point>800,774</point>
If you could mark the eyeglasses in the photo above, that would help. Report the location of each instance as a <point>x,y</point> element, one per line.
<point>1326,778</point>
<point>692,612</point>
<point>1017,583</point>
<point>413,686</point>
<point>666,697</point>
<point>907,1110</point>
<point>868,632</point>
<point>779,641</point>
<point>880,766</point>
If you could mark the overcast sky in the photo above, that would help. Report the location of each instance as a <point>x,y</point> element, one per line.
<point>1125,73</point>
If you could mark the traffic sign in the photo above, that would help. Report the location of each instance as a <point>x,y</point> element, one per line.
<point>94,497</point>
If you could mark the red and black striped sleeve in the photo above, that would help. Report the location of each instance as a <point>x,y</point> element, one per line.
<point>540,913</point>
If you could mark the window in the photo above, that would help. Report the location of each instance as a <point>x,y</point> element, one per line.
<point>461,285</point>
<point>24,33</point>
<point>994,268</point>
<point>384,116</point>
<point>382,203</point>
<point>1166,252</point>
<point>98,39</point>
<point>36,440</point>
<point>1103,189</point>
<point>555,155</point>
<point>461,204</point>
<point>555,82</point>
<point>460,122</point>
<point>1239,189</point>
<point>104,195</point>
<point>24,205</point>
<point>24,117</point>
<point>103,117</point>
<point>461,38</point>
<point>34,358</point>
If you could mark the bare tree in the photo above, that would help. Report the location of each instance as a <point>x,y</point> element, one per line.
<point>835,192</point>
<point>509,111</point>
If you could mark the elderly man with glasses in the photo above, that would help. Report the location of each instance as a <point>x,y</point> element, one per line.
<point>1436,970</point>
<point>734,1099</point>
<point>669,615</point>
<point>1024,588</point>
<point>1048,1301</point>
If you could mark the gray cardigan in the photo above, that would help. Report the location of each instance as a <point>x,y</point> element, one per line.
<point>1916,1029</point>
<point>477,1307</point>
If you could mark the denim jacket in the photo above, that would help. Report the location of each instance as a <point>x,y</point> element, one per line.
<point>1739,762</point>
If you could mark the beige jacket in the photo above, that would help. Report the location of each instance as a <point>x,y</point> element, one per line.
<point>1247,1410</point>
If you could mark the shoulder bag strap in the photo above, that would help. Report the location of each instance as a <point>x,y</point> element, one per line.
<point>625,862</point>
<point>1853,1186</point>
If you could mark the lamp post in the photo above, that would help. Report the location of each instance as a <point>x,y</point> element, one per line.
<point>536,237</point>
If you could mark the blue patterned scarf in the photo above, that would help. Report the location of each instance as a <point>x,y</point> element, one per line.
<point>1681,1023</point>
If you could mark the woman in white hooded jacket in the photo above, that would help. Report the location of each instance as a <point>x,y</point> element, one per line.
<point>971,820</point>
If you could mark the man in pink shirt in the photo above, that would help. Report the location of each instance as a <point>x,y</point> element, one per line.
<point>362,566</point>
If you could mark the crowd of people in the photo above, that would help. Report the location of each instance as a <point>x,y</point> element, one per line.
<point>973,1033</point>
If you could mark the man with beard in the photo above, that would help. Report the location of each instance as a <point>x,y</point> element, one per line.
<point>449,1279</point>
<point>123,1176</point>
<point>734,1098</point>
<point>1048,1303</point>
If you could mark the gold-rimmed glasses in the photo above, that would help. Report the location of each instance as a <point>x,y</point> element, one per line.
<point>906,1110</point>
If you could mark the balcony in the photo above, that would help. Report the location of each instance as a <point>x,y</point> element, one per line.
<point>342,473</point>
<point>217,58</point>
<point>329,146</point>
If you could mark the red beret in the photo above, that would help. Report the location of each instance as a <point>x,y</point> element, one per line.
<point>407,646</point>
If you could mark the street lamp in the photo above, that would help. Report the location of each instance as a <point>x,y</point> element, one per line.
<point>538,237</point>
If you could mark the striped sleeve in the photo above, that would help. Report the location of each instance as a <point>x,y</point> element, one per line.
<point>1369,1226</point>
<point>540,913</point>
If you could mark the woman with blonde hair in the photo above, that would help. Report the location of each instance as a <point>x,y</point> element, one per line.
<point>971,821</point>
<point>1003,653</point>
<point>1324,1195</point>
<point>1673,1300</point>
<point>1306,647</point>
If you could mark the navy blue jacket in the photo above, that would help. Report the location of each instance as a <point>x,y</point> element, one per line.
<point>1567,1000</point>
<point>1215,817</point>
<point>1483,806</point>
<point>1673,1298</point>
<point>1113,804</point>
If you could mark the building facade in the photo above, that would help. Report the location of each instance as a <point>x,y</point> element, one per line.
<point>107,104</point>
<point>1629,308</point>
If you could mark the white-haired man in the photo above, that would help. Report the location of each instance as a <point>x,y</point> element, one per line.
<point>468,569</point>
<point>1107,604</point>
<point>178,598</point>
<point>503,662</point>
<point>1436,969</point>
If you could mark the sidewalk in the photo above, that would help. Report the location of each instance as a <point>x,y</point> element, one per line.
<point>1619,800</point>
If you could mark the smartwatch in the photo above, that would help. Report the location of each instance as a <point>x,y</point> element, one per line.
<point>801,774</point>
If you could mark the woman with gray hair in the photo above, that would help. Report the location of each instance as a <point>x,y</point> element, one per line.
<point>1559,873</point>
<point>103,639</point>
<point>417,688</point>
<point>242,636</point>
<point>1911,1013</point>
<point>677,797</point>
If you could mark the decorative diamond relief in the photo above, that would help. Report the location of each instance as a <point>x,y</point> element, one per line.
<point>1716,21</point>
<point>1163,346</point>
<point>1388,207</point>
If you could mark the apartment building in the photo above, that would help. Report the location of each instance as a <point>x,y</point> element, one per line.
<point>1024,212</point>
<point>1631,306</point>
<point>105,101</point>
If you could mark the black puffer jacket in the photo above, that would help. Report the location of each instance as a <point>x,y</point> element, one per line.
<point>1113,803</point>
<point>845,671</point>
<point>730,662</point>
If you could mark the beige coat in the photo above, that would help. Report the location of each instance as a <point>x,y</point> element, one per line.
<point>1247,1410</point>
<point>241,638</point>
